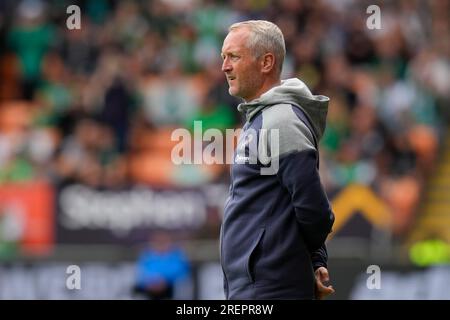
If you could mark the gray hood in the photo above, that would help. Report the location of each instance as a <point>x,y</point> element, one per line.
<point>296,92</point>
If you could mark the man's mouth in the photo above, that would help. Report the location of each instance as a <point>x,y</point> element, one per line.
<point>230,78</point>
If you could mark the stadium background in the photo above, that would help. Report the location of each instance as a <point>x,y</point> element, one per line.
<point>86,117</point>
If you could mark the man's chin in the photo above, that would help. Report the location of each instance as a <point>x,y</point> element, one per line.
<point>232,91</point>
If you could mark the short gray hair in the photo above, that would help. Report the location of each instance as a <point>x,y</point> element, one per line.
<point>265,37</point>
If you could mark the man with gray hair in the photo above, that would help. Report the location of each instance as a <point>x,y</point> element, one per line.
<point>275,225</point>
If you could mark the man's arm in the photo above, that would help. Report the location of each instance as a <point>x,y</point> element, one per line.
<point>297,172</point>
<point>319,257</point>
<point>299,175</point>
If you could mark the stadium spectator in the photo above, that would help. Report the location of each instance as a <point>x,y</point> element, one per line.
<point>160,267</point>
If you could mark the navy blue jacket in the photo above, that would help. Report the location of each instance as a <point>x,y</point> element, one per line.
<point>277,215</point>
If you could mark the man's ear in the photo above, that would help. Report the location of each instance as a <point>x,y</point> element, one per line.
<point>267,62</point>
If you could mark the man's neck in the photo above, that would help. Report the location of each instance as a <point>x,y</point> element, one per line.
<point>267,85</point>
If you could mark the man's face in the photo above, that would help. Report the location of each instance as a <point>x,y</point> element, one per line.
<point>242,69</point>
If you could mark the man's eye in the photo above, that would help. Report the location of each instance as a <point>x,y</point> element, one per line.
<point>234,58</point>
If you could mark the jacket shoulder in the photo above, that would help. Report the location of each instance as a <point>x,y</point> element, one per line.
<point>293,134</point>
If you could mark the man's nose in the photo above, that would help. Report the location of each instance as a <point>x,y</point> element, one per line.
<point>226,66</point>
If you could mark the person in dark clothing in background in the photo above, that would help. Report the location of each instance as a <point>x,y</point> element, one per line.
<point>277,216</point>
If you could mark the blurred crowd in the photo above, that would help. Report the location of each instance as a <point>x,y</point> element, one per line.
<point>97,105</point>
